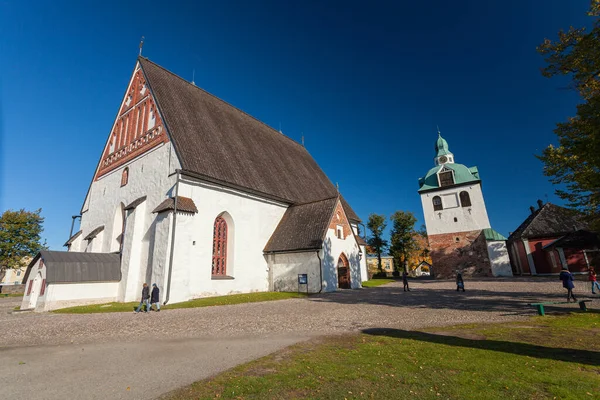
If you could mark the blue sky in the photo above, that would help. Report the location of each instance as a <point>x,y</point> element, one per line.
<point>365,83</point>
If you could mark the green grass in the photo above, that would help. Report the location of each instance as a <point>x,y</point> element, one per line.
<point>203,302</point>
<point>10,295</point>
<point>544,358</point>
<point>377,282</point>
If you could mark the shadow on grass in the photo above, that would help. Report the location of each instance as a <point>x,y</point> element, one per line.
<point>518,348</point>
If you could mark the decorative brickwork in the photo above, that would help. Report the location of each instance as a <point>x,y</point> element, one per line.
<point>339,218</point>
<point>461,251</point>
<point>138,127</point>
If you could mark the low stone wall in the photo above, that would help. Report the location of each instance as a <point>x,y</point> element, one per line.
<point>13,289</point>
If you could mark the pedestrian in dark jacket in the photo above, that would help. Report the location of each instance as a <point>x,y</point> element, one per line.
<point>405,281</point>
<point>154,298</point>
<point>460,284</point>
<point>567,280</point>
<point>145,299</point>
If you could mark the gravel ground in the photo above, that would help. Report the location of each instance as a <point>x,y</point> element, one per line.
<point>430,303</point>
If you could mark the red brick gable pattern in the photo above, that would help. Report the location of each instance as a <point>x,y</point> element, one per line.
<point>461,251</point>
<point>339,218</point>
<point>138,127</point>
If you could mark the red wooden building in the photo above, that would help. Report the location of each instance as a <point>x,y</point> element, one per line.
<point>550,238</point>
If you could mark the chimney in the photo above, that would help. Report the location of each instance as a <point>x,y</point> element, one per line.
<point>540,204</point>
<point>532,208</point>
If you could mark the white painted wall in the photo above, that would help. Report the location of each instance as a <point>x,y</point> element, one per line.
<point>254,220</point>
<point>131,267</point>
<point>364,273</point>
<point>333,248</point>
<point>77,244</point>
<point>286,268</point>
<point>467,218</point>
<point>14,276</point>
<point>61,295</point>
<point>499,260</point>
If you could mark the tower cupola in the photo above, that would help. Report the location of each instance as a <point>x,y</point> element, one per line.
<point>442,152</point>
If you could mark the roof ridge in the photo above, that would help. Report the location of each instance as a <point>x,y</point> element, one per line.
<point>314,201</point>
<point>223,101</point>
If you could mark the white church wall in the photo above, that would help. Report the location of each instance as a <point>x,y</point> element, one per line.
<point>333,248</point>
<point>132,253</point>
<point>364,273</point>
<point>499,260</point>
<point>33,298</point>
<point>61,295</point>
<point>77,244</point>
<point>471,218</point>
<point>286,267</point>
<point>254,221</point>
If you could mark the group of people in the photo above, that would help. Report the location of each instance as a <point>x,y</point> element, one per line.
<point>567,280</point>
<point>149,299</point>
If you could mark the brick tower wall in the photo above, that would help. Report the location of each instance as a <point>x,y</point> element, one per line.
<point>460,251</point>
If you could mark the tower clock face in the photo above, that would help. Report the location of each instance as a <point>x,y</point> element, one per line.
<point>443,159</point>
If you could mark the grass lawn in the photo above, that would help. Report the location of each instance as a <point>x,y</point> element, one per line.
<point>543,358</point>
<point>203,302</point>
<point>377,282</point>
<point>10,295</point>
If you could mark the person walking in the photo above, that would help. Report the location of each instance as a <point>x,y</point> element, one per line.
<point>405,281</point>
<point>145,299</point>
<point>593,280</point>
<point>154,297</point>
<point>460,284</point>
<point>567,279</point>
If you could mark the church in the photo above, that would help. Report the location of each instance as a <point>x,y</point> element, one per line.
<point>460,236</point>
<point>201,198</point>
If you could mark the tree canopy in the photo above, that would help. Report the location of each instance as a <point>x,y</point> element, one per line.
<point>402,237</point>
<point>19,237</point>
<point>575,162</point>
<point>377,225</point>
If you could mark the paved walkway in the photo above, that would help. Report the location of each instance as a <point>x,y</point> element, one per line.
<point>140,356</point>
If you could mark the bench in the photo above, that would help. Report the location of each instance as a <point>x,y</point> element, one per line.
<point>540,306</point>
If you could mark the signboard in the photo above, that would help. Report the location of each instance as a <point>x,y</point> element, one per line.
<point>302,279</point>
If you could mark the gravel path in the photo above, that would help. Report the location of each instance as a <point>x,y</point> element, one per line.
<point>430,303</point>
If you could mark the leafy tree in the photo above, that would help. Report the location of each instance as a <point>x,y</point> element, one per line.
<point>19,238</point>
<point>403,241</point>
<point>376,225</point>
<point>575,162</point>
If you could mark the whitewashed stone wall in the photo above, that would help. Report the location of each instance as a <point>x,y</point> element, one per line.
<point>333,249</point>
<point>470,218</point>
<point>499,260</point>
<point>286,267</point>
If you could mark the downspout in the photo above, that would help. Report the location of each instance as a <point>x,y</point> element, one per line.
<point>320,271</point>
<point>172,238</point>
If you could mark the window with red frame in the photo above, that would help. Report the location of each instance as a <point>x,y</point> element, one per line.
<point>219,258</point>
<point>125,176</point>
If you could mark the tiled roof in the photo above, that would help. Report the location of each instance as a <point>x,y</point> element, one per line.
<point>577,239</point>
<point>361,241</point>
<point>218,141</point>
<point>547,221</point>
<point>349,211</point>
<point>72,238</point>
<point>135,203</point>
<point>492,235</point>
<point>72,267</point>
<point>94,233</point>
<point>302,227</point>
<point>184,204</point>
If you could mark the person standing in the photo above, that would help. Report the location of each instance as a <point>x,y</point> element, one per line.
<point>460,283</point>
<point>154,297</point>
<point>593,280</point>
<point>567,279</point>
<point>145,299</point>
<point>405,281</point>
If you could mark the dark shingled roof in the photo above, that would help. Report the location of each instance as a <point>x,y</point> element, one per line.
<point>349,211</point>
<point>135,203</point>
<point>74,267</point>
<point>184,204</point>
<point>216,140</point>
<point>94,233</point>
<point>578,239</point>
<point>547,221</point>
<point>303,227</point>
<point>72,238</point>
<point>361,241</point>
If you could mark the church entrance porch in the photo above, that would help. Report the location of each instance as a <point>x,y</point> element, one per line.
<point>343,270</point>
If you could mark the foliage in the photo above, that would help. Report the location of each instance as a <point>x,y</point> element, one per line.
<point>575,162</point>
<point>535,359</point>
<point>19,238</point>
<point>202,302</point>
<point>402,237</point>
<point>376,225</point>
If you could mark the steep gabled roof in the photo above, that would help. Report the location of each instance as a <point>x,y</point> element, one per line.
<point>74,267</point>
<point>302,227</point>
<point>184,204</point>
<point>352,216</point>
<point>72,238</point>
<point>547,221</point>
<point>216,140</point>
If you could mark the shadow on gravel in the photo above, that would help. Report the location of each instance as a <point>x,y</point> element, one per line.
<point>509,303</point>
<point>518,348</point>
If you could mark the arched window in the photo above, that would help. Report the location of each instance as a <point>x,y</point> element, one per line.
<point>437,203</point>
<point>465,199</point>
<point>219,259</point>
<point>125,176</point>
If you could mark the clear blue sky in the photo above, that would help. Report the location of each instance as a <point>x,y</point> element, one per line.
<point>365,83</point>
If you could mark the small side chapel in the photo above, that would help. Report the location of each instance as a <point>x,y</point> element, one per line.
<point>203,199</point>
<point>460,236</point>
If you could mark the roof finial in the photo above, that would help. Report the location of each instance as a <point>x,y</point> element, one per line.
<point>141,45</point>
<point>302,138</point>
<point>438,129</point>
<point>337,186</point>
<point>193,76</point>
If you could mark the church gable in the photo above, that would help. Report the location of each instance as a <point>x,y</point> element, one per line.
<point>339,223</point>
<point>137,129</point>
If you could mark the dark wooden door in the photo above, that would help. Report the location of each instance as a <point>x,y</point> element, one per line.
<point>343,273</point>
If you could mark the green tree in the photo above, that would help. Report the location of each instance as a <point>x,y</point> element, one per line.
<point>575,162</point>
<point>19,238</point>
<point>403,241</point>
<point>376,225</point>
